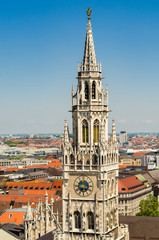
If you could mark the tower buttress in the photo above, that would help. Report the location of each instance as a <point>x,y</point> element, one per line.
<point>114,139</point>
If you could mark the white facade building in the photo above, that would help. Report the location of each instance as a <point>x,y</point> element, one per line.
<point>122,137</point>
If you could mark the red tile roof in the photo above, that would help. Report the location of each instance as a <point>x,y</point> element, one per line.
<point>138,154</point>
<point>23,199</point>
<point>129,184</point>
<point>10,216</point>
<point>39,192</point>
<point>57,184</point>
<point>123,166</point>
<point>30,185</point>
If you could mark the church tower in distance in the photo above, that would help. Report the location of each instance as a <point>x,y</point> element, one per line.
<point>90,163</point>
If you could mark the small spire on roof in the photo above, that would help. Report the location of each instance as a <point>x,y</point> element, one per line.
<point>52,199</point>
<point>29,215</point>
<point>46,194</point>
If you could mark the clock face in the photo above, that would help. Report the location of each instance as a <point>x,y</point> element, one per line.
<point>83,186</point>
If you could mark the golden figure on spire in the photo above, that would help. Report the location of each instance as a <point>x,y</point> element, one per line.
<point>89,11</point>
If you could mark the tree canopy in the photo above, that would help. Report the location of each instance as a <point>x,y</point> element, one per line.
<point>149,207</point>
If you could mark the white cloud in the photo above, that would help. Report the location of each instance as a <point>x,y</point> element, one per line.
<point>147,121</point>
<point>122,121</point>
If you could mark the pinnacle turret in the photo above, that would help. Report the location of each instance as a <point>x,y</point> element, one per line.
<point>29,215</point>
<point>106,97</point>
<point>66,133</point>
<point>89,60</point>
<point>113,132</point>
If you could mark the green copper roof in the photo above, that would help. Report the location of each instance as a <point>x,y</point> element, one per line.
<point>141,178</point>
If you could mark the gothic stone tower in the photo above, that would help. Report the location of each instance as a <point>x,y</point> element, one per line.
<point>90,164</point>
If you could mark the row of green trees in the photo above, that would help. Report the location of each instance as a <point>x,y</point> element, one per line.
<point>149,207</point>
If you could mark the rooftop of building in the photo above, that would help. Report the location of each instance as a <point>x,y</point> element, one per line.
<point>129,184</point>
<point>15,216</point>
<point>143,228</point>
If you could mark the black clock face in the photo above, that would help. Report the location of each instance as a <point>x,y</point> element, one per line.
<point>83,186</point>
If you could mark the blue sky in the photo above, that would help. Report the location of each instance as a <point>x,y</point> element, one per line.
<point>41,44</point>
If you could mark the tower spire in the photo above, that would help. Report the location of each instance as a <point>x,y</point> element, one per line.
<point>89,59</point>
<point>29,215</point>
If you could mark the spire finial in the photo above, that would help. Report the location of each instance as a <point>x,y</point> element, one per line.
<point>89,58</point>
<point>89,11</point>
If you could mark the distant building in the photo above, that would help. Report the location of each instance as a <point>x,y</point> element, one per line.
<point>122,137</point>
<point>130,160</point>
<point>151,160</point>
<point>131,191</point>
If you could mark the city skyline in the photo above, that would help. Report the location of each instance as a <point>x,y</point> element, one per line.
<point>41,46</point>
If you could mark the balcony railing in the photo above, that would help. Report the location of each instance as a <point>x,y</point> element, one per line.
<point>83,167</point>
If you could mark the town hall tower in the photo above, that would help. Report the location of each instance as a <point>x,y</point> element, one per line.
<point>90,163</point>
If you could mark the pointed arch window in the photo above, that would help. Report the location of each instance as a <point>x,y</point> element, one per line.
<point>96,131</point>
<point>90,216</point>
<point>94,159</point>
<point>72,159</point>
<point>86,91</point>
<point>77,216</point>
<point>85,131</point>
<point>93,90</point>
<point>65,159</point>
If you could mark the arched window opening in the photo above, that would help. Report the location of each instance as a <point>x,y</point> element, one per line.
<point>77,220</point>
<point>65,159</point>
<point>86,91</point>
<point>93,90</point>
<point>96,131</point>
<point>72,159</point>
<point>85,131</point>
<point>86,159</point>
<point>79,159</point>
<point>112,187</point>
<point>90,220</point>
<point>102,159</point>
<point>94,159</point>
<point>108,186</point>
